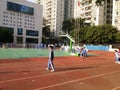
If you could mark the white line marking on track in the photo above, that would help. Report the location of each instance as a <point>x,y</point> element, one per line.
<point>76,80</point>
<point>116,88</point>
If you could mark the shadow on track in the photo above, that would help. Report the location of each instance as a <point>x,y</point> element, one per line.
<point>72,69</point>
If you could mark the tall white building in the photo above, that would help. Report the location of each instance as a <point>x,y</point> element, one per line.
<point>23,18</point>
<point>56,11</point>
<point>59,10</point>
<point>116,14</point>
<point>96,15</point>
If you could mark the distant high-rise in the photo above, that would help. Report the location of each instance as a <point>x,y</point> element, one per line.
<point>116,14</point>
<point>96,15</point>
<point>56,11</point>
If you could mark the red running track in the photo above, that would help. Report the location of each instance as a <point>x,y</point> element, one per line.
<point>72,73</point>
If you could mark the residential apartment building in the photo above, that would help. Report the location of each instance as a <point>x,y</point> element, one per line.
<point>59,10</point>
<point>23,18</point>
<point>116,14</point>
<point>95,15</point>
<point>48,12</point>
<point>47,4</point>
<point>56,11</point>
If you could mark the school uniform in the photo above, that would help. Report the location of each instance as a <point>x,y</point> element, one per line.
<point>50,61</point>
<point>84,52</point>
<point>117,57</point>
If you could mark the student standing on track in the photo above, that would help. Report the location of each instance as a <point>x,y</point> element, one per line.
<point>117,57</point>
<point>50,60</point>
<point>84,52</point>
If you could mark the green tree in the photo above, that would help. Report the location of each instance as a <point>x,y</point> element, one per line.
<point>45,33</point>
<point>73,25</point>
<point>45,30</point>
<point>109,33</point>
<point>98,34</point>
<point>68,25</point>
<point>90,34</point>
<point>118,37</point>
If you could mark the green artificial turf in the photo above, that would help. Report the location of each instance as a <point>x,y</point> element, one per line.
<point>27,53</point>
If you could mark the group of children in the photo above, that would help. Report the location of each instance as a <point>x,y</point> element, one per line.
<point>117,56</point>
<point>82,52</point>
<point>50,65</point>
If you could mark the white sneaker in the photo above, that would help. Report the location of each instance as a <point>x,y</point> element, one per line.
<point>47,69</point>
<point>118,62</point>
<point>52,70</point>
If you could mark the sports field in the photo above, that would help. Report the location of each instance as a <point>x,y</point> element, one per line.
<point>99,72</point>
<point>28,53</point>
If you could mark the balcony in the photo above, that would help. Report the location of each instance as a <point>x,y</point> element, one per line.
<point>49,2</point>
<point>87,21</point>
<point>87,5</point>
<point>48,12</point>
<point>49,8</point>
<point>88,11</point>
<point>87,16</point>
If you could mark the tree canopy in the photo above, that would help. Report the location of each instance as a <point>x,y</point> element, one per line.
<point>98,34</point>
<point>68,25</point>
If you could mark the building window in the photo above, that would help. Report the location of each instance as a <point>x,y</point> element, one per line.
<point>20,31</point>
<point>3,23</point>
<point>116,13</point>
<point>31,33</point>
<point>115,20</point>
<point>20,8</point>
